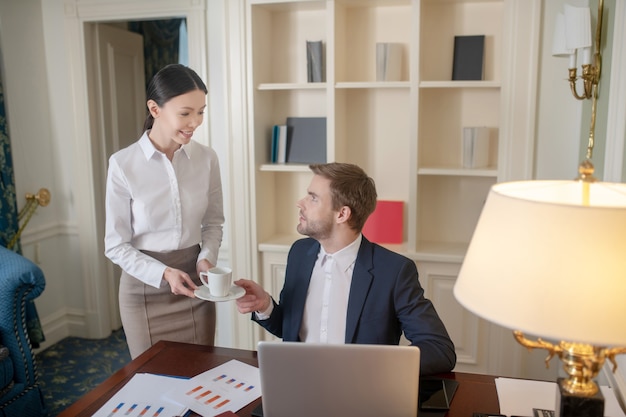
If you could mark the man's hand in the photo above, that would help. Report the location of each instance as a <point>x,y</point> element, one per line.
<point>180,282</point>
<point>256,298</point>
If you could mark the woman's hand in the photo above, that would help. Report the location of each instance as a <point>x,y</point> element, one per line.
<point>203,265</point>
<point>180,282</point>
<point>256,298</point>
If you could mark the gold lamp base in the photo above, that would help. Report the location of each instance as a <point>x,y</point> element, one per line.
<point>578,394</point>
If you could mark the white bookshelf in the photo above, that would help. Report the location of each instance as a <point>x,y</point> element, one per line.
<point>406,134</point>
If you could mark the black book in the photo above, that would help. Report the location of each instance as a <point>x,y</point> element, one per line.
<point>306,140</point>
<point>468,57</point>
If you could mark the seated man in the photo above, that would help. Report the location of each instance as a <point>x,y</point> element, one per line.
<point>341,288</point>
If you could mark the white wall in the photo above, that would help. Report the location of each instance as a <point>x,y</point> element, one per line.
<point>37,112</point>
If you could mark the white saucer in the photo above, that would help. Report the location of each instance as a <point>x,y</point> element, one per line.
<point>234,293</point>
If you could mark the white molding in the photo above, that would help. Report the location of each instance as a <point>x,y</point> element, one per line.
<point>520,64</point>
<point>469,327</point>
<point>33,234</point>
<point>99,10</point>
<point>61,324</point>
<point>92,262</point>
<point>242,167</point>
<point>616,122</point>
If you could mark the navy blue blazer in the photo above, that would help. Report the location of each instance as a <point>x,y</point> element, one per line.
<point>386,299</point>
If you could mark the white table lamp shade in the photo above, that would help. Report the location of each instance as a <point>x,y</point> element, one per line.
<point>542,262</point>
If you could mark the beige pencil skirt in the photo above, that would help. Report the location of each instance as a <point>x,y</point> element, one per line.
<point>151,314</point>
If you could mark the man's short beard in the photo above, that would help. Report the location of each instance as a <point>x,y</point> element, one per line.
<point>316,233</point>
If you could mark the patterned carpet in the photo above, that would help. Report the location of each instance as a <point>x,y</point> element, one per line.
<point>74,366</point>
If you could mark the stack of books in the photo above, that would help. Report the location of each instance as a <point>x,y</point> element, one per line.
<point>301,140</point>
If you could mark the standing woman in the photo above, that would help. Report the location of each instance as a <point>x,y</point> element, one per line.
<point>164,217</point>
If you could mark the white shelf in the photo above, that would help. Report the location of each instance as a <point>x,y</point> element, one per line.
<point>449,252</point>
<point>278,244</point>
<point>284,168</point>
<point>291,86</point>
<point>459,84</point>
<point>282,6</point>
<point>459,172</point>
<point>374,84</point>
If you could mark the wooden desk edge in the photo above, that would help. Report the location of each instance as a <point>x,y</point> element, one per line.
<point>93,400</point>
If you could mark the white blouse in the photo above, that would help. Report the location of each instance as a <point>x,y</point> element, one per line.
<point>157,205</point>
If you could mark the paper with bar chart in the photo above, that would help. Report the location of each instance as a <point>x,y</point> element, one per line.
<point>228,387</point>
<point>142,396</point>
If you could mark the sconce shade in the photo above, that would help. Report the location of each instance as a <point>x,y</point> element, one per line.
<point>558,37</point>
<point>547,263</point>
<point>577,27</point>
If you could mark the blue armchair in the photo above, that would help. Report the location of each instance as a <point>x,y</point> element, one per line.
<point>20,281</point>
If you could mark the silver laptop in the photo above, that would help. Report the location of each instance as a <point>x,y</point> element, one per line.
<point>322,380</point>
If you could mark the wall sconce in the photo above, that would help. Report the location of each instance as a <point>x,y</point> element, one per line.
<point>572,33</point>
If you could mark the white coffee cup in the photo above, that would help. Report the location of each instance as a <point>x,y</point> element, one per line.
<point>218,280</point>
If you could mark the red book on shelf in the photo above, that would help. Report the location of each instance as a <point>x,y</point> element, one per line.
<point>385,224</point>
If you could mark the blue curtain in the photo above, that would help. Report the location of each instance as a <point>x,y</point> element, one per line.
<point>8,202</point>
<point>160,43</point>
<point>9,223</point>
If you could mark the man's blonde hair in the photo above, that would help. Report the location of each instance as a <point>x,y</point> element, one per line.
<point>349,186</point>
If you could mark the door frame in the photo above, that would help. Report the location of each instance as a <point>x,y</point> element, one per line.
<point>88,178</point>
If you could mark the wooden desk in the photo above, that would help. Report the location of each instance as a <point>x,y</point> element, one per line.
<point>475,392</point>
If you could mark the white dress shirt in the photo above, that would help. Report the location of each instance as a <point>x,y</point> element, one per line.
<point>159,205</point>
<point>326,306</point>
